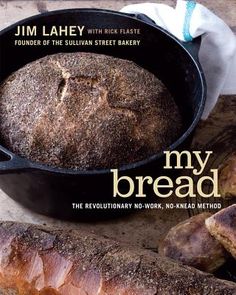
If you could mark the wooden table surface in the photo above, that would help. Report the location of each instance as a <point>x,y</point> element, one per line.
<point>144,228</point>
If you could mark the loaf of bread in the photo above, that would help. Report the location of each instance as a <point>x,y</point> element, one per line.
<point>190,243</point>
<point>227,177</point>
<point>86,111</point>
<point>222,226</point>
<point>37,260</point>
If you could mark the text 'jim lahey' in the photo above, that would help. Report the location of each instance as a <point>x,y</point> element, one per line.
<point>50,31</point>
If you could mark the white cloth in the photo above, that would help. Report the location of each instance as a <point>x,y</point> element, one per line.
<point>217,53</point>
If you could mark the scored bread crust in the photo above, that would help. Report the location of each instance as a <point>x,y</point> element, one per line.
<point>86,111</point>
<point>37,260</point>
<point>222,226</point>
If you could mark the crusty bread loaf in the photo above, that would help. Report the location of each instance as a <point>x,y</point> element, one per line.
<point>222,226</point>
<point>37,260</point>
<point>86,111</point>
<point>190,243</point>
<point>227,177</point>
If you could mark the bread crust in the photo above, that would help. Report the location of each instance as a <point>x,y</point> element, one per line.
<point>227,177</point>
<point>222,226</point>
<point>190,243</point>
<point>40,260</point>
<point>86,111</point>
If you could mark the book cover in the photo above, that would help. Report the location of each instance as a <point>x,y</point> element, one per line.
<point>107,130</point>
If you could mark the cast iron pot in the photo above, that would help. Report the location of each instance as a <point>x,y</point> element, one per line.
<point>52,191</point>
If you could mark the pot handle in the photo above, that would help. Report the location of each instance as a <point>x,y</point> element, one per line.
<point>10,162</point>
<point>192,47</point>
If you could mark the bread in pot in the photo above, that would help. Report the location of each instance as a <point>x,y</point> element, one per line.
<point>86,111</point>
